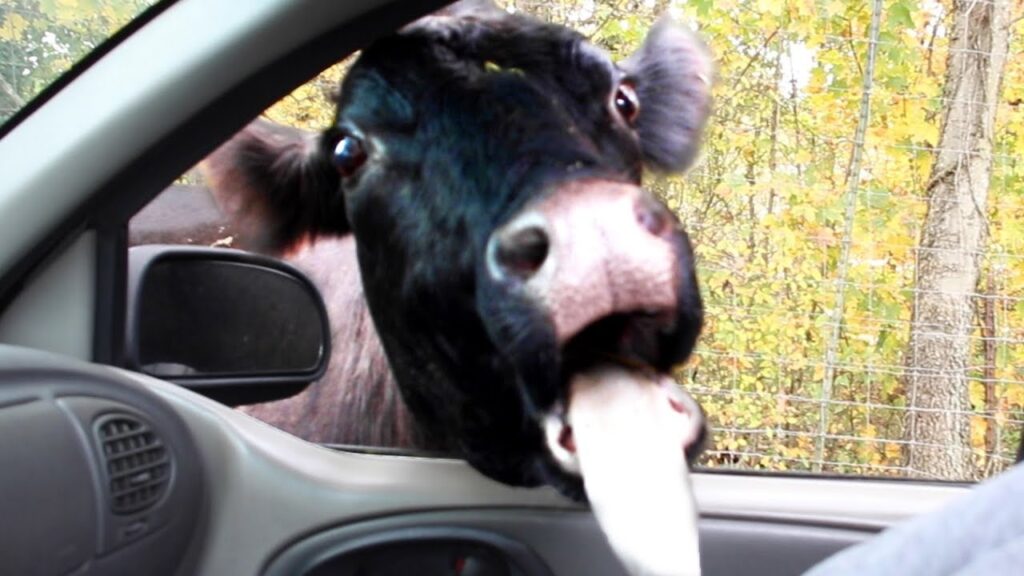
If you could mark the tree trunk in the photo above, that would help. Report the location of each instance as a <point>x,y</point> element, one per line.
<point>952,241</point>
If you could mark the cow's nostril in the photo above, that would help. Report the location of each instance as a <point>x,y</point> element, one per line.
<point>653,215</point>
<point>519,253</point>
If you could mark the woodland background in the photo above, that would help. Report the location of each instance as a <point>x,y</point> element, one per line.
<point>858,214</point>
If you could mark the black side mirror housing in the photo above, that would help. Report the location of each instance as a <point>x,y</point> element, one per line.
<point>235,326</point>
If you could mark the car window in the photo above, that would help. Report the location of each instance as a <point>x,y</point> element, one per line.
<point>841,335</point>
<point>42,39</point>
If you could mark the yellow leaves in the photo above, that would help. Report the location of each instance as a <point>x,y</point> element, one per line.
<point>913,125</point>
<point>802,17</point>
<point>867,452</point>
<point>1014,395</point>
<point>728,5</point>
<point>796,452</point>
<point>803,212</point>
<point>834,8</point>
<point>867,448</point>
<point>309,106</point>
<point>773,7</point>
<point>114,17</point>
<point>979,427</point>
<point>893,452</point>
<point>13,27</point>
<point>63,63</point>
<point>819,372</point>
<point>66,12</point>
<point>976,393</point>
<point>732,443</point>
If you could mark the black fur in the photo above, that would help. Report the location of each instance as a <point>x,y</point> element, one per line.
<point>291,183</point>
<point>465,120</point>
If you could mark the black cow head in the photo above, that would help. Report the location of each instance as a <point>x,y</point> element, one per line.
<point>489,166</point>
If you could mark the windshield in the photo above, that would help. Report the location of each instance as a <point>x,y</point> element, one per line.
<point>40,40</point>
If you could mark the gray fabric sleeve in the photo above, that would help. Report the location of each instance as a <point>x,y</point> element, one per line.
<point>981,533</point>
<point>1009,559</point>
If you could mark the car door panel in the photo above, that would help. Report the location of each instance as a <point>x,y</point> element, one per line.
<point>306,489</point>
<point>271,499</point>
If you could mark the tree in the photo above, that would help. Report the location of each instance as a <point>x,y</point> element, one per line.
<point>41,39</point>
<point>952,241</point>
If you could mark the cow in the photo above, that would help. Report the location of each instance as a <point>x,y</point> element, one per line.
<point>482,182</point>
<point>183,214</point>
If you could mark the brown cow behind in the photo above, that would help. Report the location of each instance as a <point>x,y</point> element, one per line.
<point>357,401</point>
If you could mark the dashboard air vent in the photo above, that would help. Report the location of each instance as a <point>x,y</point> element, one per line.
<point>138,465</point>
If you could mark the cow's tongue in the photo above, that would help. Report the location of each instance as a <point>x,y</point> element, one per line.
<point>627,438</point>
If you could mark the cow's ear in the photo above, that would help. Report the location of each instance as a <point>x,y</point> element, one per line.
<point>278,186</point>
<point>671,75</point>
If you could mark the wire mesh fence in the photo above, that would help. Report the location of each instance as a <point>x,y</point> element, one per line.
<point>808,211</point>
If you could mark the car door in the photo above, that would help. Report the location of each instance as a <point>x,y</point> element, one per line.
<point>95,152</point>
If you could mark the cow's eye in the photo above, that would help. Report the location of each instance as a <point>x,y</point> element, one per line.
<point>349,154</point>
<point>626,103</point>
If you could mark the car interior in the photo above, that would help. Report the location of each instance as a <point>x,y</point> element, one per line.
<point>109,469</point>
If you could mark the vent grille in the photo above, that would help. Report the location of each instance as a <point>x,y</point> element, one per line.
<point>137,462</point>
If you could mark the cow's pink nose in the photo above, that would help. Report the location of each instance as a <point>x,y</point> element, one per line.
<point>588,250</point>
<point>519,249</point>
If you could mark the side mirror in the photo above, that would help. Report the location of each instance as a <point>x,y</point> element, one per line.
<point>235,326</point>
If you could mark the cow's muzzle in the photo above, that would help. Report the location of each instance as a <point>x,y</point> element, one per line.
<point>612,271</point>
<point>603,259</point>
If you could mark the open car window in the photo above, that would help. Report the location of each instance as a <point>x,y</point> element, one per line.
<point>807,211</point>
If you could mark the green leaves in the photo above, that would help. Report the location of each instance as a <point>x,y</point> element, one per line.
<point>899,15</point>
<point>42,39</point>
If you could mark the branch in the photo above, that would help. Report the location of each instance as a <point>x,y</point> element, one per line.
<point>750,63</point>
<point>6,87</point>
<point>613,13</point>
<point>756,57</point>
<point>853,181</point>
<point>853,49</point>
